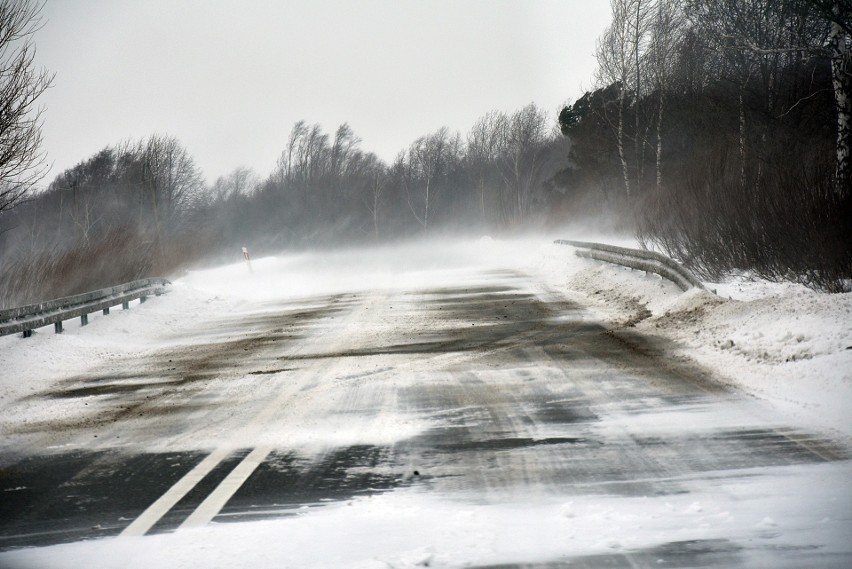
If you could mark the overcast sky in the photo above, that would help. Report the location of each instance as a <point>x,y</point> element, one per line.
<point>229,78</point>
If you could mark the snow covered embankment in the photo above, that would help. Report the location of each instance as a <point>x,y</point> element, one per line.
<point>781,342</point>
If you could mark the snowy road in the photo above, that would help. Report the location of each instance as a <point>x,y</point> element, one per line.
<point>482,420</point>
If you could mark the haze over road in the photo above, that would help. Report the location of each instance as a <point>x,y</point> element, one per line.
<point>478,417</point>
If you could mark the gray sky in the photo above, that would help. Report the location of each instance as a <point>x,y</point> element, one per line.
<point>229,78</point>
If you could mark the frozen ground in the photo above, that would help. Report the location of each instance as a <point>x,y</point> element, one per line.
<point>785,346</point>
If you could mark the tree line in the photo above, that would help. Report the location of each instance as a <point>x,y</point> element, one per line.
<point>718,131</point>
<point>142,207</point>
<point>723,129</point>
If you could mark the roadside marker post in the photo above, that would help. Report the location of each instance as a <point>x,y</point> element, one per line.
<point>247,257</point>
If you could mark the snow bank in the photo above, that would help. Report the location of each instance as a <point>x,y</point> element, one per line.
<point>782,342</point>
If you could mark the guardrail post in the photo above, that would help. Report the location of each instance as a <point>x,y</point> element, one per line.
<point>57,327</point>
<point>84,319</point>
<point>28,333</point>
<point>142,299</point>
<point>125,305</point>
<point>106,310</point>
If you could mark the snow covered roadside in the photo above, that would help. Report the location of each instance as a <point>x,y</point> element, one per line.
<point>806,508</point>
<point>781,342</point>
<point>196,303</point>
<point>33,365</point>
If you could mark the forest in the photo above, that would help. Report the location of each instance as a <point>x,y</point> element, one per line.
<point>717,131</point>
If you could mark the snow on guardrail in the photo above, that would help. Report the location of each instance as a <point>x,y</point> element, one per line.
<point>649,261</point>
<point>25,319</point>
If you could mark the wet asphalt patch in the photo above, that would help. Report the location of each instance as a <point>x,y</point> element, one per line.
<point>59,498</point>
<point>270,371</point>
<point>562,413</point>
<point>285,482</point>
<point>461,290</point>
<point>508,444</point>
<point>84,495</point>
<point>479,327</point>
<point>589,463</point>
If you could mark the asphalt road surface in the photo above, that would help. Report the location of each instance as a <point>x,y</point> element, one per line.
<point>489,389</point>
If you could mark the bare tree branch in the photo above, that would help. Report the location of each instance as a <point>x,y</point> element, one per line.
<point>22,164</point>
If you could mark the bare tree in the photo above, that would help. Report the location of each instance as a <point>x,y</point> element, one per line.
<point>666,28</point>
<point>305,161</point>
<point>840,46</point>
<point>523,158</point>
<point>374,197</point>
<point>239,182</point>
<point>343,152</point>
<point>22,163</point>
<point>639,26</point>
<point>618,62</point>
<point>84,212</point>
<point>171,181</point>
<point>286,162</point>
<point>427,158</point>
<point>483,150</point>
<point>761,42</point>
<point>312,156</point>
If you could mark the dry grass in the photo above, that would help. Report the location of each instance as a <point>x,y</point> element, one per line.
<point>120,256</point>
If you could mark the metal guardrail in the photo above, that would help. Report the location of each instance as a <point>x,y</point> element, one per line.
<point>649,261</point>
<point>25,319</point>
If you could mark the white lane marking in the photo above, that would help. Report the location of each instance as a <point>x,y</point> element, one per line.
<point>250,430</point>
<point>166,502</point>
<point>217,499</point>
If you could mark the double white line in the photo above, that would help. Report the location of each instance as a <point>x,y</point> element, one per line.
<point>213,504</point>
